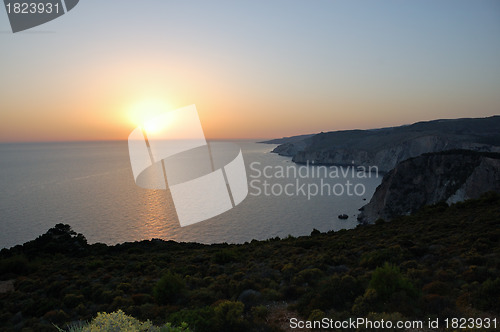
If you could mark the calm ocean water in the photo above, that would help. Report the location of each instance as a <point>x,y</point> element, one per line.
<point>89,185</point>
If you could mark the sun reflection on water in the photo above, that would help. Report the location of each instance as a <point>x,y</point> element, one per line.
<point>158,216</point>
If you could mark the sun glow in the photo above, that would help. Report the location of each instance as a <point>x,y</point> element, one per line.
<point>152,126</point>
<point>143,113</point>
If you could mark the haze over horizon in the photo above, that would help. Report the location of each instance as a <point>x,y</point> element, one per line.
<point>254,70</point>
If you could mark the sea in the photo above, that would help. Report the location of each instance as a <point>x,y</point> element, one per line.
<point>90,186</point>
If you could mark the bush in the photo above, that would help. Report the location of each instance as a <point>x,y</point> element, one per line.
<point>436,287</point>
<point>202,296</point>
<point>260,312</point>
<point>388,280</point>
<point>56,316</point>
<point>121,302</point>
<point>338,293</point>
<point>141,298</point>
<point>95,264</point>
<point>486,297</point>
<point>118,321</point>
<point>436,304</point>
<point>388,290</point>
<point>226,256</point>
<point>366,303</point>
<point>124,286</point>
<point>169,288</point>
<point>316,315</point>
<point>17,264</point>
<point>288,271</point>
<point>309,276</point>
<point>376,258</point>
<point>73,300</point>
<point>200,319</point>
<point>229,316</point>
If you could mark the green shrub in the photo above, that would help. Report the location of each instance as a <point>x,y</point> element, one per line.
<point>229,316</point>
<point>486,297</point>
<point>475,273</point>
<point>388,290</point>
<point>121,302</point>
<point>260,312</point>
<point>288,271</point>
<point>225,256</point>
<point>377,258</point>
<point>366,303</point>
<point>202,296</point>
<point>338,293</point>
<point>56,316</point>
<point>25,284</point>
<point>17,264</point>
<point>316,315</point>
<point>435,303</point>
<point>387,280</point>
<point>436,287</point>
<point>124,286</point>
<point>118,321</point>
<point>106,296</point>
<point>315,232</point>
<point>169,288</point>
<point>72,300</point>
<point>271,294</point>
<point>95,264</point>
<point>200,319</point>
<point>141,298</point>
<point>310,276</point>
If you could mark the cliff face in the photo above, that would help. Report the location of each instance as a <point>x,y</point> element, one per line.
<point>290,149</point>
<point>431,178</point>
<point>386,147</point>
<point>388,157</point>
<point>291,139</point>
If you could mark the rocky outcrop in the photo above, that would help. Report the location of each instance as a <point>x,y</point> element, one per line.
<point>285,140</point>
<point>449,176</point>
<point>290,149</point>
<point>386,147</point>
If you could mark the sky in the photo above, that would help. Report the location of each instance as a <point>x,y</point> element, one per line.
<point>254,69</point>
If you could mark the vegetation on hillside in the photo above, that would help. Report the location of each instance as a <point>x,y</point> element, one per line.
<point>440,262</point>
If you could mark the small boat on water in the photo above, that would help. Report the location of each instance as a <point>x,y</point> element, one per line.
<point>343,216</point>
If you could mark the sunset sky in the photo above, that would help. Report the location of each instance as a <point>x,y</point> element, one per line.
<point>254,69</point>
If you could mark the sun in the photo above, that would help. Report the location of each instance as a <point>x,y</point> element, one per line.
<point>151,126</point>
<point>143,113</point>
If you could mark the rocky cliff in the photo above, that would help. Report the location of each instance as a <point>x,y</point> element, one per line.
<point>449,176</point>
<point>387,147</point>
<point>285,140</point>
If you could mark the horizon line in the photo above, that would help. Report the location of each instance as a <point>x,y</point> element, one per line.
<point>240,138</point>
